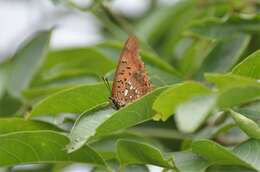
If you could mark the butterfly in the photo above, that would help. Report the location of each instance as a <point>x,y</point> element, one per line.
<point>131,81</point>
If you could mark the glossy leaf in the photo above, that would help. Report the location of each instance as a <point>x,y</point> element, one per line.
<point>250,67</point>
<point>42,147</point>
<point>234,89</point>
<point>190,162</point>
<point>218,154</point>
<point>166,104</point>
<point>10,125</point>
<point>238,95</point>
<point>74,100</point>
<point>104,121</point>
<point>249,152</point>
<point>130,152</point>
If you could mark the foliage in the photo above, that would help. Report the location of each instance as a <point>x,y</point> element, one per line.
<point>204,114</point>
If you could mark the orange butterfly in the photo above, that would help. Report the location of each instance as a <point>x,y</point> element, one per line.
<point>131,80</point>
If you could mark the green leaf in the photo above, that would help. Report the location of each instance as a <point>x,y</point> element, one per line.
<point>224,168</point>
<point>217,154</point>
<point>191,114</point>
<point>74,100</point>
<point>247,125</point>
<point>74,62</point>
<point>42,147</point>
<point>249,152</point>
<point>225,81</point>
<point>129,168</point>
<point>225,55</point>
<point>159,77</point>
<point>42,92</point>
<point>166,104</point>
<point>10,125</point>
<point>131,152</point>
<point>238,96</point>
<point>234,90</point>
<point>104,121</point>
<point>2,81</point>
<point>25,63</point>
<point>190,162</point>
<point>250,67</point>
<point>194,55</point>
<point>9,105</point>
<point>106,145</point>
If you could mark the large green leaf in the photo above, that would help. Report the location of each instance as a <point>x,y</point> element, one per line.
<point>249,152</point>
<point>131,152</point>
<point>234,89</point>
<point>190,162</point>
<point>191,114</point>
<point>166,104</point>
<point>104,121</point>
<point>250,67</point>
<point>26,61</point>
<point>10,125</point>
<point>74,62</point>
<point>106,145</point>
<point>42,147</point>
<point>74,100</point>
<point>220,155</point>
<point>238,96</point>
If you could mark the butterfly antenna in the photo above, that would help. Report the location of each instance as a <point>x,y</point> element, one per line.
<point>107,84</point>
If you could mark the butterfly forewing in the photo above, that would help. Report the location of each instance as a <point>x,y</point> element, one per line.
<point>131,80</point>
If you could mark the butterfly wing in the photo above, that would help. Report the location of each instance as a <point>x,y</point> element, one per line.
<point>137,86</point>
<point>129,71</point>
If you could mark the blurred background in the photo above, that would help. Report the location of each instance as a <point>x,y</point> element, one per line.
<point>21,18</point>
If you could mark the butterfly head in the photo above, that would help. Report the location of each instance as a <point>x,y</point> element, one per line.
<point>114,103</point>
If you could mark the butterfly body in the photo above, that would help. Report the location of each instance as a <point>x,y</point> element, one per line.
<point>131,80</point>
